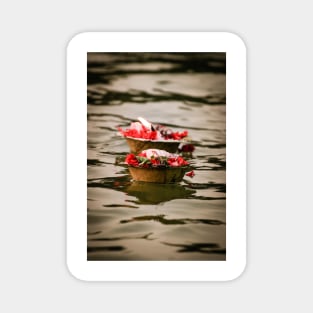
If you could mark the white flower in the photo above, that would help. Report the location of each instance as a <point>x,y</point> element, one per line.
<point>158,153</point>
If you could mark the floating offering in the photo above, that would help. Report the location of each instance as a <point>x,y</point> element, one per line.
<point>157,166</point>
<point>144,135</point>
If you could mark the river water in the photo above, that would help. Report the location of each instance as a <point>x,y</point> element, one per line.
<point>129,220</point>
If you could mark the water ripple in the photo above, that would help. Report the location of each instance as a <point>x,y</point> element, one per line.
<point>209,248</point>
<point>180,221</point>
<point>182,91</point>
<point>146,236</point>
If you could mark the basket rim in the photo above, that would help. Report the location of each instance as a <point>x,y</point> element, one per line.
<point>160,168</point>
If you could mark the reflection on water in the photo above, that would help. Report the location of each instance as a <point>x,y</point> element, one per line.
<point>151,193</point>
<point>162,220</point>
<point>130,220</point>
<point>199,247</point>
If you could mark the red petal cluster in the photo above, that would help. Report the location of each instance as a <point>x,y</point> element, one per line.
<point>177,135</point>
<point>179,161</point>
<point>144,133</point>
<point>131,160</point>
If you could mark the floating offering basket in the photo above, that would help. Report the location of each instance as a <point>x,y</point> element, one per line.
<point>157,166</point>
<point>143,136</point>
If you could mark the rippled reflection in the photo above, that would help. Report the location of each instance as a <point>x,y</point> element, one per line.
<point>178,221</point>
<point>130,220</point>
<point>150,193</point>
<point>199,247</point>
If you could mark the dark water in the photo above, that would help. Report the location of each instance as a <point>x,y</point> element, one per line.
<point>130,220</point>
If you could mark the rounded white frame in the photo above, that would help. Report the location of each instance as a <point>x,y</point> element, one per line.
<point>77,51</point>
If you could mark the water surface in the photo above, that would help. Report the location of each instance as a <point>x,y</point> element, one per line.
<point>130,220</point>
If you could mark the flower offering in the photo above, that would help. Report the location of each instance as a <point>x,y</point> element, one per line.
<point>157,166</point>
<point>144,135</point>
<point>155,158</point>
<point>145,130</point>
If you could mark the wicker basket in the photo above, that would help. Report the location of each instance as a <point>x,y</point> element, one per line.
<point>137,145</point>
<point>162,175</point>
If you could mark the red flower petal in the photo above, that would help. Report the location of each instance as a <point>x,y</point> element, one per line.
<point>131,160</point>
<point>187,148</point>
<point>191,174</point>
<point>137,130</point>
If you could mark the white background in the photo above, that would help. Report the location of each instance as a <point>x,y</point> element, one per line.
<point>76,178</point>
<point>278,36</point>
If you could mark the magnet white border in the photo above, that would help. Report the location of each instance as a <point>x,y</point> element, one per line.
<point>77,156</point>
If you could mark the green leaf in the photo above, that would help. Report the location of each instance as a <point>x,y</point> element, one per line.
<point>142,160</point>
